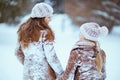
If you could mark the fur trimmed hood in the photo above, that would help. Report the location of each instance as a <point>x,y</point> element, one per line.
<point>84,44</point>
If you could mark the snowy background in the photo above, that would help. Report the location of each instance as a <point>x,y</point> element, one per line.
<point>66,35</point>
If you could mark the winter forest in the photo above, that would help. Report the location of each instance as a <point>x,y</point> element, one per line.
<point>67,18</point>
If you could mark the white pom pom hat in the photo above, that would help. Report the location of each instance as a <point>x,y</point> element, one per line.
<point>93,31</point>
<point>41,10</point>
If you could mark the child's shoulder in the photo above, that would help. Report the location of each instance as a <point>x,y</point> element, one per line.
<point>102,52</point>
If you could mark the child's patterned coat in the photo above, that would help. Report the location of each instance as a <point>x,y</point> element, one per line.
<point>81,64</point>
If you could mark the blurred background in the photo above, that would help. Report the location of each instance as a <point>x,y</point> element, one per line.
<point>68,16</point>
<point>105,12</point>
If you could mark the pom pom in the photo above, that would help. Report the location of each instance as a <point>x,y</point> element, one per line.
<point>103,31</point>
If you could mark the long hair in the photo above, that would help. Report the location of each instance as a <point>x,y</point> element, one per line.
<point>30,31</point>
<point>99,59</point>
<point>98,56</point>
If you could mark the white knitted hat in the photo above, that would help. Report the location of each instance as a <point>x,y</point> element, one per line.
<point>93,31</point>
<point>41,10</point>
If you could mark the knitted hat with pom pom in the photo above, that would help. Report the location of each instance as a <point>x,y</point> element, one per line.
<point>93,31</point>
<point>41,10</point>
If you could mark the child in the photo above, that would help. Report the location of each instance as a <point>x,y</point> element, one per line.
<point>35,50</point>
<point>87,59</point>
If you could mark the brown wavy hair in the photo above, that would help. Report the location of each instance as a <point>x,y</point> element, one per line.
<point>30,31</point>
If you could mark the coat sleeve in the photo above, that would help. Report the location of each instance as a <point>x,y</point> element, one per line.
<point>104,64</point>
<point>52,58</point>
<point>19,54</point>
<point>70,68</point>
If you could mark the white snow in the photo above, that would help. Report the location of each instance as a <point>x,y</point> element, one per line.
<point>66,35</point>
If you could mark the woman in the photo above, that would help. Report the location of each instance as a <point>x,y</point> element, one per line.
<point>87,59</point>
<point>35,50</point>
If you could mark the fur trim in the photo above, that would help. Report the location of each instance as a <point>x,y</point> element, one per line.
<point>84,44</point>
